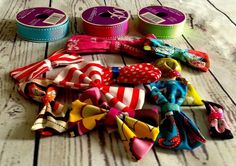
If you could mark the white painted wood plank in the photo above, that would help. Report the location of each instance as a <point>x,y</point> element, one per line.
<point>16,114</point>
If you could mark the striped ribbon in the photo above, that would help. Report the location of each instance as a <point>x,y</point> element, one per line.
<point>34,70</point>
<point>86,75</point>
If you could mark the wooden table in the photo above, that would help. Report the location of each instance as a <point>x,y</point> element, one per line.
<point>210,27</point>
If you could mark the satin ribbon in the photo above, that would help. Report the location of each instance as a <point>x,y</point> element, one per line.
<point>218,126</point>
<point>86,75</point>
<point>52,118</point>
<point>193,58</point>
<point>138,137</point>
<point>169,67</point>
<point>34,70</point>
<point>177,130</point>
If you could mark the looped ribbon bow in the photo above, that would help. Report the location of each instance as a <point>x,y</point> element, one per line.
<point>169,67</point>
<point>53,117</point>
<point>34,70</point>
<point>193,58</point>
<point>218,127</point>
<point>177,130</point>
<point>89,44</point>
<point>138,137</point>
<point>87,75</point>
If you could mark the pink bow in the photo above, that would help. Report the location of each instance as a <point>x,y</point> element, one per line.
<point>89,44</point>
<point>86,75</point>
<point>34,70</point>
<point>218,126</point>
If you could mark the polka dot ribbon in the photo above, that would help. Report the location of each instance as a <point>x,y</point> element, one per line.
<point>177,130</point>
<point>193,58</point>
<point>137,135</point>
<point>34,70</point>
<point>52,118</point>
<point>218,126</point>
<point>87,75</point>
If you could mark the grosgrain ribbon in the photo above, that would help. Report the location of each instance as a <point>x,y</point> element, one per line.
<point>218,126</point>
<point>177,130</point>
<point>138,137</point>
<point>52,118</point>
<point>34,70</point>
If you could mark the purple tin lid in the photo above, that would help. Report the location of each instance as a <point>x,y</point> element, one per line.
<point>161,15</point>
<point>41,17</point>
<point>105,15</point>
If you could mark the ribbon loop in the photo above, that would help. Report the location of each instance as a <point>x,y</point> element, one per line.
<point>35,70</point>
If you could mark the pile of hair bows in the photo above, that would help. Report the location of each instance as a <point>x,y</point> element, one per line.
<point>112,97</point>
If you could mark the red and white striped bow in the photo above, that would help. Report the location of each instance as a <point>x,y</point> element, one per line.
<point>89,44</point>
<point>34,70</point>
<point>86,75</point>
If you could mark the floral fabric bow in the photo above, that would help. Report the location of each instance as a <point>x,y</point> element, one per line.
<point>87,75</point>
<point>218,127</point>
<point>53,117</point>
<point>195,59</point>
<point>177,130</point>
<point>34,70</point>
<point>138,137</point>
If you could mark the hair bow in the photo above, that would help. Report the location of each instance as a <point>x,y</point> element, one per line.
<point>89,44</point>
<point>86,75</point>
<point>169,67</point>
<point>195,59</point>
<point>34,70</point>
<point>218,126</point>
<point>138,137</point>
<point>177,130</point>
<point>53,117</point>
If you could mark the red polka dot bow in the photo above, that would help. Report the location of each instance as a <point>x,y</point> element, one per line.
<point>34,70</point>
<point>89,44</point>
<point>52,119</point>
<point>87,75</point>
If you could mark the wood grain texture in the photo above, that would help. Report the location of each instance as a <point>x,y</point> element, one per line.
<point>209,29</point>
<point>16,114</point>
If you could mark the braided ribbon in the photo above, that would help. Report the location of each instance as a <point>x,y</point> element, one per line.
<point>34,70</point>
<point>195,59</point>
<point>138,137</point>
<point>218,127</point>
<point>86,75</point>
<point>177,130</point>
<point>53,117</point>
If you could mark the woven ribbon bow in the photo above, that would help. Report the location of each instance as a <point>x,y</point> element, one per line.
<point>138,137</point>
<point>34,70</point>
<point>53,117</point>
<point>218,126</point>
<point>177,130</point>
<point>86,75</point>
<point>195,59</point>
